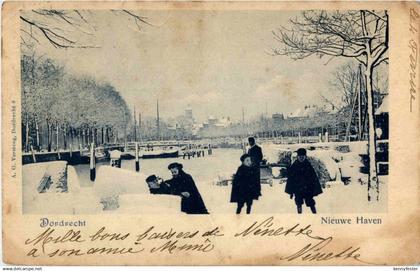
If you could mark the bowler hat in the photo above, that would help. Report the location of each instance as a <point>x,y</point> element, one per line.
<point>175,165</point>
<point>301,151</point>
<point>151,178</point>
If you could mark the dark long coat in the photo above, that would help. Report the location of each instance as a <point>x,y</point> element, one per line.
<point>193,204</point>
<point>245,186</point>
<point>302,180</point>
<point>256,154</point>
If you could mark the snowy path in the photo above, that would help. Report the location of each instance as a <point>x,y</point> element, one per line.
<point>339,198</point>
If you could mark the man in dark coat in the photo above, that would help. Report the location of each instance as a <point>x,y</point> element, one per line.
<point>302,182</point>
<point>245,187</point>
<point>255,152</point>
<point>182,184</point>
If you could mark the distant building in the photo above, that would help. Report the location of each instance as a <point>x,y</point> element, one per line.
<point>278,120</point>
<point>189,113</point>
<point>214,126</point>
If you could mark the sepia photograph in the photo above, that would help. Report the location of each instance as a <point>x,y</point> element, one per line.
<point>201,112</point>
<point>227,133</point>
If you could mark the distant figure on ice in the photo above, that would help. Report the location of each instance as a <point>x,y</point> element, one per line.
<point>181,184</point>
<point>245,186</point>
<point>302,182</point>
<point>255,152</point>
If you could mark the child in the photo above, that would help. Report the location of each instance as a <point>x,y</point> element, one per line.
<point>245,186</point>
<point>302,182</point>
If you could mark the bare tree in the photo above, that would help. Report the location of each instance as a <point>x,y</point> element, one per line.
<point>361,35</point>
<point>345,81</point>
<point>66,28</point>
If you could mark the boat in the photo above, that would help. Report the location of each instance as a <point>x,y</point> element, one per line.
<point>149,153</point>
<point>160,153</point>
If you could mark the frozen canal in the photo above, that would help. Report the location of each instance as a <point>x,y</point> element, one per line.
<point>338,198</point>
<point>206,171</point>
<point>223,162</point>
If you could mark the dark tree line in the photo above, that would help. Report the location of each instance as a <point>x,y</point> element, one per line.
<point>59,109</point>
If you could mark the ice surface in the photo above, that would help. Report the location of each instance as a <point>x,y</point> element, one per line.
<point>84,195</point>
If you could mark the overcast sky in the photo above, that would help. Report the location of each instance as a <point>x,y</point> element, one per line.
<point>216,61</point>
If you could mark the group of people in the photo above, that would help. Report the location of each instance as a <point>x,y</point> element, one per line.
<point>302,183</point>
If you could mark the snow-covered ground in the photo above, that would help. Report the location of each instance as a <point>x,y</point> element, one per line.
<point>84,196</point>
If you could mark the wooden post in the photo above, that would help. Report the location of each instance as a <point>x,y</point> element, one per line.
<point>92,162</point>
<point>137,157</point>
<point>299,137</point>
<point>319,137</point>
<point>33,154</point>
<point>71,151</point>
<point>326,137</point>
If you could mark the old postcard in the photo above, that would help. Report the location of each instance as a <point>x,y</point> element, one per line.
<point>210,133</point>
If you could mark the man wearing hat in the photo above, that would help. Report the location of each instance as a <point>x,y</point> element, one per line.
<point>255,152</point>
<point>182,184</point>
<point>302,182</point>
<point>245,187</point>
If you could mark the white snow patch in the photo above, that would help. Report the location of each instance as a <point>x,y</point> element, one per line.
<point>75,201</point>
<point>132,191</point>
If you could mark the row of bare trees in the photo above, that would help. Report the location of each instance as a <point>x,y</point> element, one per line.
<point>59,109</point>
<point>362,35</point>
<point>347,93</point>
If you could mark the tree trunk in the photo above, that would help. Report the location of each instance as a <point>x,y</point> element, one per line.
<point>95,136</point>
<point>37,135</point>
<point>27,135</point>
<point>78,137</point>
<point>56,136</point>
<point>373,182</point>
<point>102,135</point>
<point>49,136</point>
<point>65,137</point>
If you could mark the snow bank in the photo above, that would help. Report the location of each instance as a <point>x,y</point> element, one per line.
<point>149,204</point>
<point>328,163</point>
<point>126,191</point>
<point>331,160</point>
<point>74,201</point>
<point>115,181</point>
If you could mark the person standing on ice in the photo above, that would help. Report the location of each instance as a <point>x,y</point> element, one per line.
<point>255,152</point>
<point>181,184</point>
<point>245,187</point>
<point>302,182</point>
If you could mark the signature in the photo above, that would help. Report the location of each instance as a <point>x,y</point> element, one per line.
<point>315,250</point>
<point>412,44</point>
